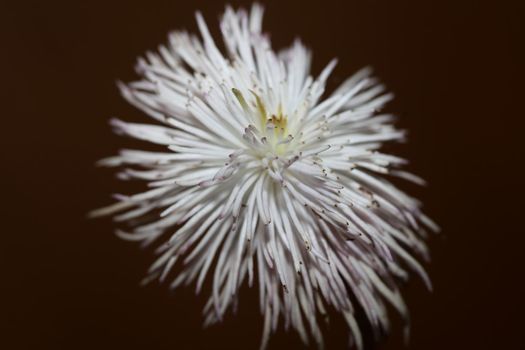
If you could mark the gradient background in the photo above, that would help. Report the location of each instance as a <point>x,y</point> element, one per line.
<point>456,68</point>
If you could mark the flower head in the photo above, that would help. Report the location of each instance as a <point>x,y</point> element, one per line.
<point>265,180</point>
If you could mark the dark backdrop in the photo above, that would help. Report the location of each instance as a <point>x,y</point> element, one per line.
<point>69,283</point>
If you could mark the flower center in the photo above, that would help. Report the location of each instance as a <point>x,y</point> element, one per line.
<point>267,135</point>
<point>269,131</point>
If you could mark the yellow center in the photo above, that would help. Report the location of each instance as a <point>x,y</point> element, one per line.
<point>279,121</point>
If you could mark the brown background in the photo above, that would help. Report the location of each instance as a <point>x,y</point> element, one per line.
<point>69,283</point>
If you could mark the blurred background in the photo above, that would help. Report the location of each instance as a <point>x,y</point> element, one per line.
<point>456,68</point>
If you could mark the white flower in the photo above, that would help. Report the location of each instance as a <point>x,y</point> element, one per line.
<point>265,181</point>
